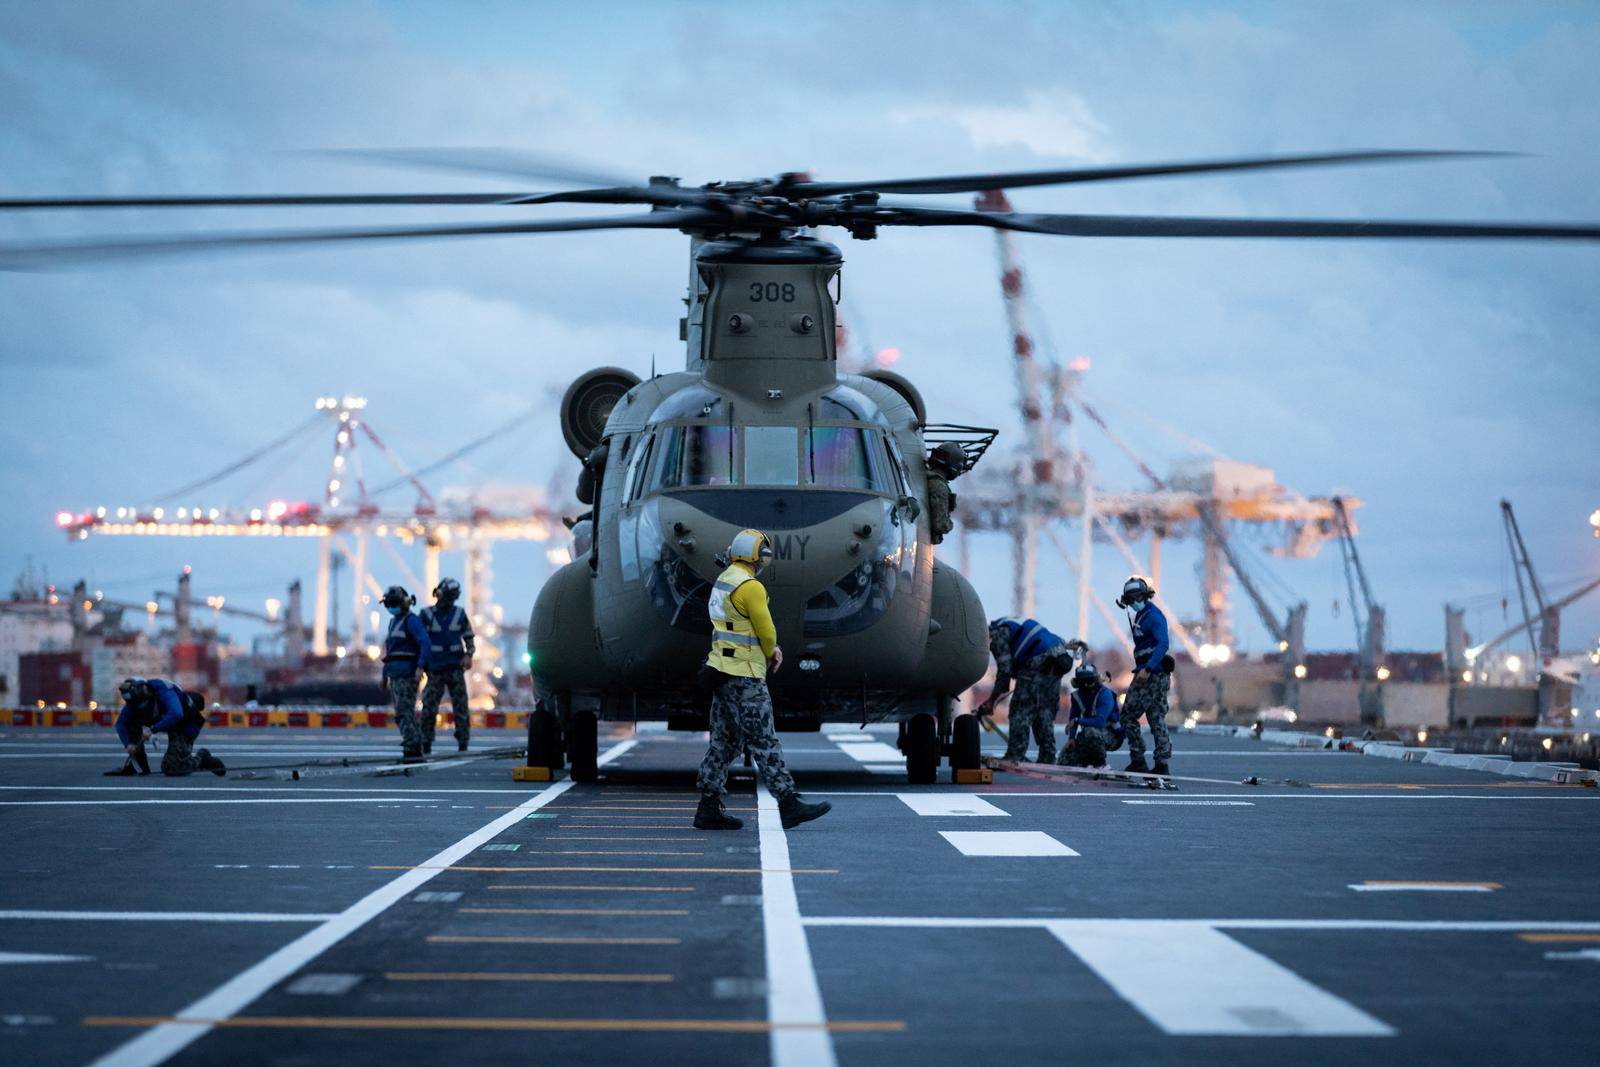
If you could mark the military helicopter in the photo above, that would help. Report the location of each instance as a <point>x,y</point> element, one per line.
<point>760,429</point>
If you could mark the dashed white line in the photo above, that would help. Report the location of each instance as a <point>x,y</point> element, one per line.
<point>800,1037</point>
<point>951,804</point>
<point>1005,843</point>
<point>170,916</point>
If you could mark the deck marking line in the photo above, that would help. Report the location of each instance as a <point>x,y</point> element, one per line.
<point>455,1022</point>
<point>519,976</point>
<point>596,888</point>
<point>1111,925</point>
<point>1426,887</point>
<point>573,911</point>
<point>174,916</point>
<point>169,1036</point>
<point>529,939</point>
<point>1192,979</point>
<point>1553,938</point>
<point>872,752</point>
<point>629,870</point>
<point>949,804</point>
<point>800,1037</point>
<point>1005,843</point>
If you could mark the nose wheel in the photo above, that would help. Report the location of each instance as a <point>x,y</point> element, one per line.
<point>922,749</point>
<point>583,746</point>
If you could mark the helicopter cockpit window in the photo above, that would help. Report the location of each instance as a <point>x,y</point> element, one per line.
<point>693,402</point>
<point>845,403</point>
<point>693,455</point>
<point>639,469</point>
<point>839,457</point>
<point>771,455</point>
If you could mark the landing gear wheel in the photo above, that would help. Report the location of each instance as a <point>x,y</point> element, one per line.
<point>964,750</point>
<point>583,748</point>
<point>544,740</point>
<point>922,749</point>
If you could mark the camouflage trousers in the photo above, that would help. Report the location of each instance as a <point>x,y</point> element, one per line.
<point>179,759</point>
<point>1034,702</point>
<point>453,680</point>
<point>741,718</point>
<point>403,692</point>
<point>1149,699</point>
<point>1086,749</point>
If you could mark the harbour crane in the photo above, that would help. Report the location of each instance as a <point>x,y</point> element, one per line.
<point>1369,622</point>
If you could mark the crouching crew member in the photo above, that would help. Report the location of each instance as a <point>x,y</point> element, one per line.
<point>403,649</point>
<point>1152,675</point>
<point>156,706</point>
<point>450,650</point>
<point>1037,659</point>
<point>744,647</point>
<point>1093,726</point>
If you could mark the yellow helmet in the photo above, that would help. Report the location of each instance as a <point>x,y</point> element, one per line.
<point>752,547</point>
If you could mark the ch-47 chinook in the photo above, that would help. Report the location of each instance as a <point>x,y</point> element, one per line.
<point>760,429</point>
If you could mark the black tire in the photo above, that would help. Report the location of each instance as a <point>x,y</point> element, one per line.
<point>965,751</point>
<point>544,740</point>
<point>584,746</point>
<point>922,749</point>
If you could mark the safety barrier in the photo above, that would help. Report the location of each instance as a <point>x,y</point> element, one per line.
<point>293,717</point>
<point>1555,773</point>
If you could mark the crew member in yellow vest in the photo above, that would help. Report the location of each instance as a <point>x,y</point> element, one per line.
<point>744,647</point>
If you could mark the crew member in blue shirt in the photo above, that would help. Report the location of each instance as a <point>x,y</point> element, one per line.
<point>1023,649</point>
<point>153,706</point>
<point>1152,675</point>
<point>450,650</point>
<point>403,650</point>
<point>1093,723</point>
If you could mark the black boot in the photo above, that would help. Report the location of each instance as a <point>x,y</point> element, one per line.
<point>412,755</point>
<point>1137,765</point>
<point>208,762</point>
<point>711,816</point>
<point>794,810</point>
<point>141,761</point>
<point>1162,768</point>
<point>461,746</point>
<point>427,747</point>
<point>124,771</point>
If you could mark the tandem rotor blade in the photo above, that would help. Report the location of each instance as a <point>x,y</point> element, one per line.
<point>305,200</point>
<point>1179,226</point>
<point>505,162</point>
<point>977,183</point>
<point>60,254</point>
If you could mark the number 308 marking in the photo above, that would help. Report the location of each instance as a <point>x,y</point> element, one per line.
<point>771,293</point>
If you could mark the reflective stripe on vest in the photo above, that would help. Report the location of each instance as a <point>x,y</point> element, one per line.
<point>400,644</point>
<point>735,648</point>
<point>1028,638</point>
<point>447,636</point>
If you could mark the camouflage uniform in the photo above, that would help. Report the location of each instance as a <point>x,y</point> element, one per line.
<point>741,717</point>
<point>1086,749</point>
<point>440,679</point>
<point>1149,699</point>
<point>403,691</point>
<point>179,758</point>
<point>941,504</point>
<point>1034,703</point>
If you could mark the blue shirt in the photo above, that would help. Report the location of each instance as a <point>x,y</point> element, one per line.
<point>1100,715</point>
<point>404,646</point>
<point>1027,639</point>
<point>449,636</point>
<point>1150,643</point>
<point>163,715</point>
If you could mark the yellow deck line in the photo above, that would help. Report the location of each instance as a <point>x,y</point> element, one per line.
<point>598,888</point>
<point>359,1022</point>
<point>577,837</point>
<point>1552,939</point>
<point>574,911</point>
<point>1435,785</point>
<point>622,870</point>
<point>529,939</point>
<point>604,852</point>
<point>519,976</point>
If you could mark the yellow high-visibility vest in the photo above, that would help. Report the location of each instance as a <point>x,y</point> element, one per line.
<point>735,648</point>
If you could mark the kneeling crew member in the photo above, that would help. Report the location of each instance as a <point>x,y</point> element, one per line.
<point>450,650</point>
<point>744,646</point>
<point>1023,649</point>
<point>1152,675</point>
<point>1091,718</point>
<point>156,706</point>
<point>403,649</point>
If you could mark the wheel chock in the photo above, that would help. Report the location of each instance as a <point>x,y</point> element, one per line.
<point>532,774</point>
<point>971,776</point>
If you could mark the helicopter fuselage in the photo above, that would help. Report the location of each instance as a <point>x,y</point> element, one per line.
<point>763,432</point>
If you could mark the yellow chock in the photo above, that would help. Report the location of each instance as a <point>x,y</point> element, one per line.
<point>971,776</point>
<point>532,774</point>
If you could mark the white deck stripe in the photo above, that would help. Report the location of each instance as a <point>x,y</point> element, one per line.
<point>173,916</point>
<point>1005,843</point>
<point>213,800</point>
<point>286,787</point>
<point>793,996</point>
<point>872,752</point>
<point>1420,887</point>
<point>942,804</point>
<point>1189,978</point>
<point>161,1042</point>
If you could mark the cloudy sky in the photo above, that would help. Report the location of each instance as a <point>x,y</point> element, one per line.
<point>1428,381</point>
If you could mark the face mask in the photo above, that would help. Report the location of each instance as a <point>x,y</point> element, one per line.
<point>1136,606</point>
<point>396,610</point>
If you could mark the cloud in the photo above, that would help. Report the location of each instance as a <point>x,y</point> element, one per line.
<point>1052,125</point>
